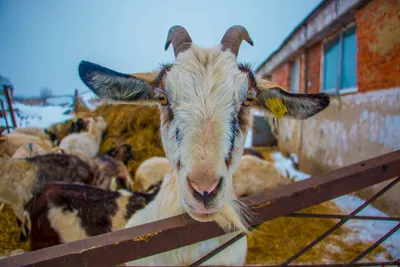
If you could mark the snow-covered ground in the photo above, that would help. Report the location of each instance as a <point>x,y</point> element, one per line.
<point>366,230</point>
<point>44,116</point>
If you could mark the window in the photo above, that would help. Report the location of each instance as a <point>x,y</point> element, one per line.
<point>295,76</point>
<point>339,72</point>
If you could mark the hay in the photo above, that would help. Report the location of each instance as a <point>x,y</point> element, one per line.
<point>10,232</point>
<point>276,241</point>
<point>136,125</point>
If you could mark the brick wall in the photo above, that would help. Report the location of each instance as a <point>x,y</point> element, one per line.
<point>378,40</point>
<point>281,75</point>
<point>313,70</point>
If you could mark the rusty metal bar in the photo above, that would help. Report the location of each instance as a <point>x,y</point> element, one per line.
<point>10,105</point>
<point>300,215</point>
<point>340,216</point>
<point>76,102</point>
<point>377,243</point>
<point>5,115</point>
<point>160,236</point>
<point>220,248</point>
<point>217,250</point>
<point>343,221</point>
<point>382,263</point>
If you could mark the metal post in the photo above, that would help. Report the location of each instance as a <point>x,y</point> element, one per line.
<point>10,106</point>
<point>76,102</point>
<point>5,115</point>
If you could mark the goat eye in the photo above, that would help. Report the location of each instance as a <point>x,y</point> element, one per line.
<point>247,101</point>
<point>163,99</point>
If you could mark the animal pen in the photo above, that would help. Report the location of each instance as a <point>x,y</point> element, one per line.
<point>149,239</point>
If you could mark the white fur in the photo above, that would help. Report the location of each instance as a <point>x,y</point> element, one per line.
<point>255,175</point>
<point>17,178</point>
<point>85,145</point>
<point>68,225</point>
<point>10,143</point>
<point>35,131</point>
<point>151,171</point>
<point>28,150</point>
<point>167,204</point>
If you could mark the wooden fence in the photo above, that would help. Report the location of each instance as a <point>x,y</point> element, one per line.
<point>164,235</point>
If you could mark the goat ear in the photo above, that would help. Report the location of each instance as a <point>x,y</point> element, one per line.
<point>280,102</point>
<point>113,85</point>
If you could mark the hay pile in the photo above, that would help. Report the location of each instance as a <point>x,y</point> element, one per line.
<point>272,243</point>
<point>10,232</point>
<point>276,241</point>
<point>136,125</point>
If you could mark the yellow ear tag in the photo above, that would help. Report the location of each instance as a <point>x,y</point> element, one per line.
<point>277,107</point>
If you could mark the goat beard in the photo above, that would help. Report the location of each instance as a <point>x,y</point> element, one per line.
<point>234,217</point>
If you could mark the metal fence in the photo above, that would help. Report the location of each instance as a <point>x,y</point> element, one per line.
<point>164,235</point>
<point>4,111</point>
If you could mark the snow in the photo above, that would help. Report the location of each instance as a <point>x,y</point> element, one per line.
<point>86,97</point>
<point>365,230</point>
<point>63,100</point>
<point>44,116</point>
<point>39,116</point>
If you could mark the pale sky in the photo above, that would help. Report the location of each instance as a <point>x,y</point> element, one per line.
<point>43,41</point>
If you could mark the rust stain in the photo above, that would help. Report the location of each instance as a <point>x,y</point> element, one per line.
<point>145,237</point>
<point>86,249</point>
<point>262,205</point>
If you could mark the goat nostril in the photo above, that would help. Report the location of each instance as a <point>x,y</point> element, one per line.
<point>203,191</point>
<point>205,197</point>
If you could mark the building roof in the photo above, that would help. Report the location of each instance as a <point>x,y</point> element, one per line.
<point>323,20</point>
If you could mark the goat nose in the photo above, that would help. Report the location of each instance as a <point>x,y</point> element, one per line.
<point>204,191</point>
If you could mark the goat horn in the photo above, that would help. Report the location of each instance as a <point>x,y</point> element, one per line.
<point>234,37</point>
<point>180,39</point>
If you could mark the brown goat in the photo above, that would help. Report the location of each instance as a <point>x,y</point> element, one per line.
<point>110,173</point>
<point>21,179</point>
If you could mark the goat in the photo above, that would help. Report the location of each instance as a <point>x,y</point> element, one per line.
<point>85,145</point>
<point>150,172</point>
<point>60,130</point>
<point>10,143</point>
<point>35,131</point>
<point>122,152</point>
<point>110,173</point>
<point>69,212</point>
<point>28,150</point>
<point>21,179</point>
<point>205,98</point>
<point>256,175</point>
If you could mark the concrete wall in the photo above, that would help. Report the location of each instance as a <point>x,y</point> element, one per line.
<point>353,128</point>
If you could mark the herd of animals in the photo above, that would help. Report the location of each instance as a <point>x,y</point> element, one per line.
<point>64,190</point>
<point>205,97</point>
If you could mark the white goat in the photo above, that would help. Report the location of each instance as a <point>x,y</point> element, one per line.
<point>205,98</point>
<point>256,175</point>
<point>35,131</point>
<point>10,143</point>
<point>85,145</point>
<point>28,150</point>
<point>150,172</point>
<point>167,204</point>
